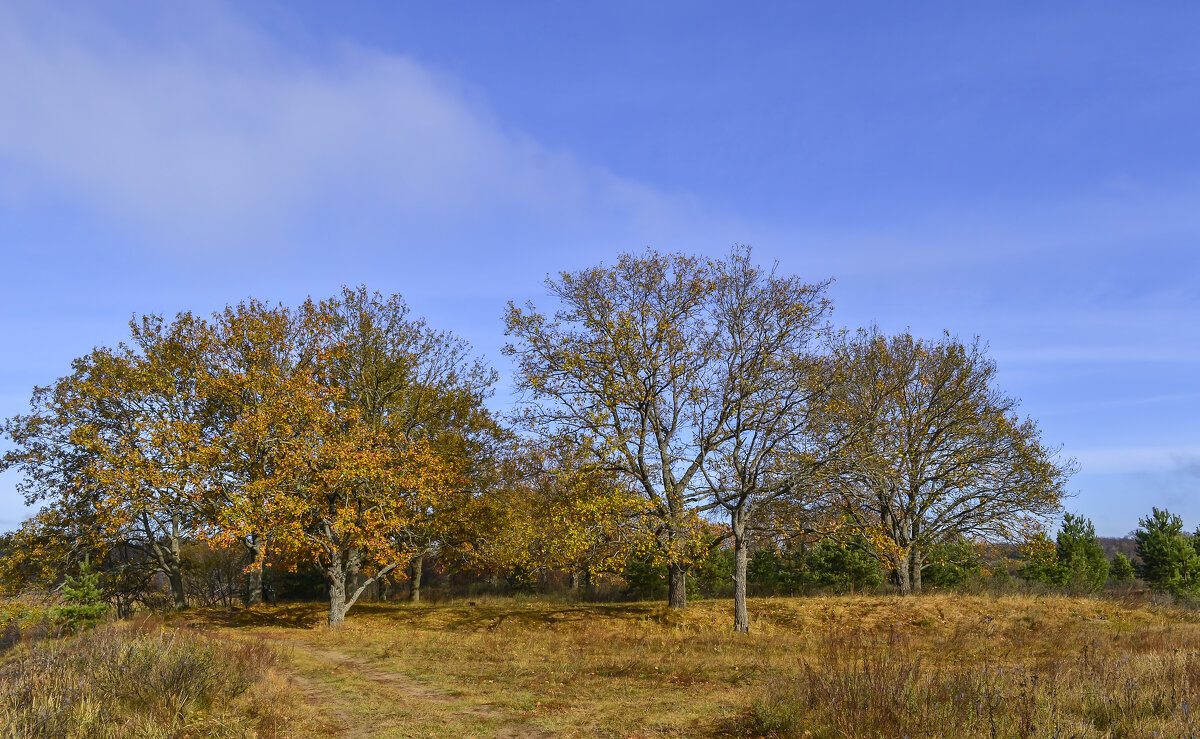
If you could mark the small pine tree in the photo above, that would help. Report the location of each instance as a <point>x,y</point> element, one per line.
<point>646,577</point>
<point>1081,560</point>
<point>839,567</point>
<point>765,572</point>
<point>1122,568</point>
<point>85,606</point>
<point>713,573</point>
<point>1169,560</point>
<point>952,563</point>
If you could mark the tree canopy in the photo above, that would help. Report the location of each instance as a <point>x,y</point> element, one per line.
<point>938,451</point>
<point>674,411</point>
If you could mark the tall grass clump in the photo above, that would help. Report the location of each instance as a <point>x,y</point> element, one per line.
<point>135,679</point>
<point>867,686</point>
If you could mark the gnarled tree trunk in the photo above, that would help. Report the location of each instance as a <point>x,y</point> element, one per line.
<point>904,575</point>
<point>676,586</point>
<point>342,569</point>
<point>168,557</point>
<point>417,570</point>
<point>337,597</point>
<point>917,562</point>
<point>175,576</point>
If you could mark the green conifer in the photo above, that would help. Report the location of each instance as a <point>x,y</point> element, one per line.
<point>1122,568</point>
<point>1169,560</point>
<point>84,605</point>
<point>1081,560</point>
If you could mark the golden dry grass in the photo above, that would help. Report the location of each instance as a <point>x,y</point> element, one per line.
<point>140,679</point>
<point>538,668</point>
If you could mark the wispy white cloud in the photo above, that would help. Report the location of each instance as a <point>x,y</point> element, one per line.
<point>1099,404</point>
<point>1177,460</point>
<point>215,134</point>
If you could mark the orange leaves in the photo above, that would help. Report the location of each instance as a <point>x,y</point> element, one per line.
<point>349,429</point>
<point>327,432</point>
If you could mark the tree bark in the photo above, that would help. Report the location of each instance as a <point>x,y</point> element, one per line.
<point>175,576</point>
<point>904,575</point>
<point>741,618</point>
<point>676,586</point>
<point>174,567</point>
<point>168,559</point>
<point>337,596</point>
<point>581,580</point>
<point>337,575</point>
<point>917,562</point>
<point>254,577</point>
<point>418,570</point>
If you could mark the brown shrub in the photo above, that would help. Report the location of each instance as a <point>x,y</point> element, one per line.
<point>864,686</point>
<point>133,679</point>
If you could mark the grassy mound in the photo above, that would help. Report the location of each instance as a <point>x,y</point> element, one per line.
<point>139,679</point>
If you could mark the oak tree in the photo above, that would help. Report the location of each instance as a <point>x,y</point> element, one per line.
<point>769,329</point>
<point>942,452</point>
<point>401,375</point>
<point>264,357</point>
<point>630,360</point>
<point>582,518</point>
<point>123,443</point>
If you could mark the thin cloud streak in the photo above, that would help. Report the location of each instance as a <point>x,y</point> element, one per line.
<point>1123,460</point>
<point>1132,402</point>
<point>190,144</point>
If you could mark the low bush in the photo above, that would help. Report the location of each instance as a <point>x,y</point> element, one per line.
<point>23,619</point>
<point>136,679</point>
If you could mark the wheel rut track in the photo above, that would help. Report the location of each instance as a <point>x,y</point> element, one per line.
<point>388,687</point>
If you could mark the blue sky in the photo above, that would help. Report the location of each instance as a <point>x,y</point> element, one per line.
<point>1026,172</point>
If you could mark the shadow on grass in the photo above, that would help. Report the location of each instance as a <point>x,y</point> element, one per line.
<point>456,616</point>
<point>284,616</point>
<point>483,616</point>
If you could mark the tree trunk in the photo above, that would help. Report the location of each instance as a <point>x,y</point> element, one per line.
<point>414,587</point>
<point>176,578</point>
<point>917,562</point>
<point>337,595</point>
<point>904,575</point>
<point>741,618</point>
<point>676,586</point>
<point>254,577</point>
<point>575,578</point>
<point>169,561</point>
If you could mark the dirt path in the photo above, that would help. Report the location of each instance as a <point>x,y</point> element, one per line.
<point>358,699</point>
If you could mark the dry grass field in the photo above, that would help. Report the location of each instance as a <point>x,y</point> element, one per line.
<point>940,665</point>
<point>866,666</point>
